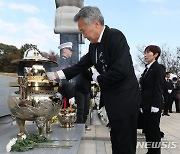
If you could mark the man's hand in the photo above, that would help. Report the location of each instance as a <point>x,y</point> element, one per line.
<point>51,75</point>
<point>154,109</point>
<point>169,91</point>
<point>72,101</point>
<point>141,110</point>
<point>94,76</point>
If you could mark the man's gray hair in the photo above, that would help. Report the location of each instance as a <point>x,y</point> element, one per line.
<point>88,14</point>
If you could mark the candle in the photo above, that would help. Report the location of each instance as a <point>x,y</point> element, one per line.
<point>65,101</point>
<point>70,106</point>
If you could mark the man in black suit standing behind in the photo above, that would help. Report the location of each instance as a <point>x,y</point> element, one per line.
<point>109,53</point>
<point>166,93</point>
<point>174,95</point>
<point>152,84</point>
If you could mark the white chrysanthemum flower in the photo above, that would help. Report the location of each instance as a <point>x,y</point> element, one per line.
<point>10,144</point>
<point>23,136</point>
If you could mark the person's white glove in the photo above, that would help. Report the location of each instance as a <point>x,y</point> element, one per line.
<point>169,91</point>
<point>141,110</point>
<point>51,75</point>
<point>72,101</point>
<point>94,76</point>
<point>154,109</point>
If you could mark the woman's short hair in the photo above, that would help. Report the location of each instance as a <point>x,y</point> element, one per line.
<point>154,49</point>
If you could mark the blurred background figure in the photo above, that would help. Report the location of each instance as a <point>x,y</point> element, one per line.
<point>168,86</point>
<point>82,96</point>
<point>174,95</point>
<point>66,52</point>
<point>67,89</point>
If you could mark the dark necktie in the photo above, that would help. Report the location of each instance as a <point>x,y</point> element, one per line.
<point>145,71</point>
<point>97,51</point>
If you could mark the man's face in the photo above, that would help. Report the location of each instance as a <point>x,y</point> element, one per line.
<point>168,75</point>
<point>67,53</point>
<point>89,31</point>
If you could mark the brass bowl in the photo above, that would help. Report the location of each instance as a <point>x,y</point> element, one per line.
<point>67,117</point>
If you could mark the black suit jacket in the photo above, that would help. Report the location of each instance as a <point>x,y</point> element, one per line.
<point>168,85</point>
<point>83,82</point>
<point>119,87</point>
<point>152,85</point>
<point>175,90</point>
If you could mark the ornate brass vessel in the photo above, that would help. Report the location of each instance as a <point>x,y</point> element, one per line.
<point>37,99</point>
<point>67,117</point>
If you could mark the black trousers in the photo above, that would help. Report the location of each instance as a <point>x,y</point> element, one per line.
<point>166,103</point>
<point>176,100</point>
<point>124,135</point>
<point>152,131</point>
<point>83,103</point>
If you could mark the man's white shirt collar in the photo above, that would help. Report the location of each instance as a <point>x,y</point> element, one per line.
<point>100,37</point>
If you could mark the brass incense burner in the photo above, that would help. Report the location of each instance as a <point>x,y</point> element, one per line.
<point>37,99</point>
<point>67,117</point>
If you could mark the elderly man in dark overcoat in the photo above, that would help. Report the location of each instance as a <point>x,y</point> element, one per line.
<point>120,94</point>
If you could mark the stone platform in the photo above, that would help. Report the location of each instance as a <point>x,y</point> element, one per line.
<point>65,136</point>
<point>97,141</point>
